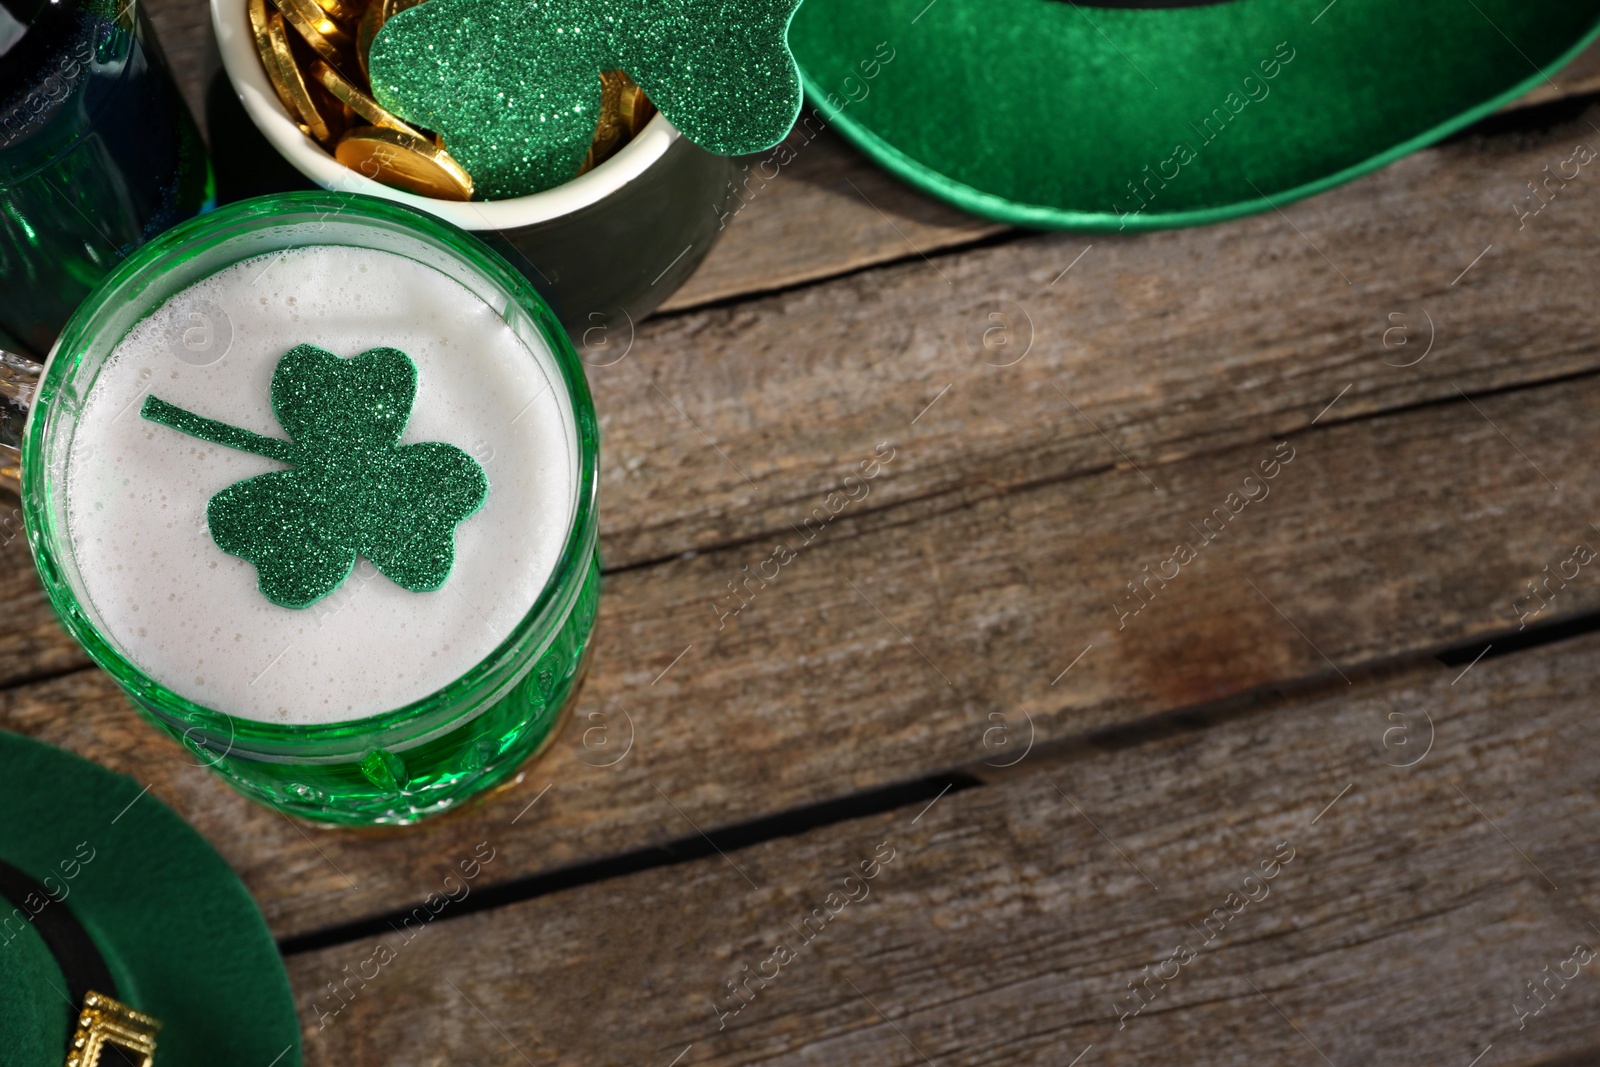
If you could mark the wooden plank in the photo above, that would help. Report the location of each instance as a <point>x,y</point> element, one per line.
<point>1405,909</point>
<point>32,643</point>
<point>183,27</point>
<point>1582,76</point>
<point>732,423</point>
<point>892,646</point>
<point>870,218</point>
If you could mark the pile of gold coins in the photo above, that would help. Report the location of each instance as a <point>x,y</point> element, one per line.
<point>315,55</point>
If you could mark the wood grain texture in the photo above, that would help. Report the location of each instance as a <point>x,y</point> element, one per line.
<point>893,646</point>
<point>772,238</point>
<point>1410,907</point>
<point>184,29</point>
<point>1580,77</point>
<point>935,620</point>
<point>32,643</point>
<point>1004,530</point>
<point>731,423</point>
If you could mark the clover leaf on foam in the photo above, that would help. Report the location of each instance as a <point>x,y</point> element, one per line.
<point>353,489</point>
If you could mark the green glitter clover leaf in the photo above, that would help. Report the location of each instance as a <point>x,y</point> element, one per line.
<point>354,490</point>
<point>514,86</point>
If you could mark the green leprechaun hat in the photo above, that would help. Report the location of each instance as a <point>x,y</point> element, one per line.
<point>124,938</point>
<point>1142,114</point>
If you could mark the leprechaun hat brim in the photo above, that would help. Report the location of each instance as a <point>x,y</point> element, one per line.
<point>1052,114</point>
<point>179,935</point>
<point>35,1015</point>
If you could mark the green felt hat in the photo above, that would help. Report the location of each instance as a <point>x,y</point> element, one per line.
<point>101,884</point>
<point>1142,114</point>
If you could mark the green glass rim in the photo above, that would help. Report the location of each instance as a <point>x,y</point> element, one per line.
<point>413,723</point>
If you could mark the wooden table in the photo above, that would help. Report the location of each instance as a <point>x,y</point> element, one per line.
<point>1325,792</point>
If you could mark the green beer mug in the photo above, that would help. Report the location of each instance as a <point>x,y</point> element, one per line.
<point>395,763</point>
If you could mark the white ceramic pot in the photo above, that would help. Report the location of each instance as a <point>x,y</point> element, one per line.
<point>609,245</point>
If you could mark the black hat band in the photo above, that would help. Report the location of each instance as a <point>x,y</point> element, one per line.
<point>75,952</point>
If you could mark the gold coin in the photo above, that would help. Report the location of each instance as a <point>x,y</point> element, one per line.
<point>635,108</point>
<point>326,37</point>
<point>378,12</point>
<point>610,132</point>
<point>404,161</point>
<point>263,37</point>
<point>366,31</point>
<point>624,110</point>
<point>284,74</point>
<point>345,12</point>
<point>391,8</point>
<point>334,111</point>
<point>356,100</point>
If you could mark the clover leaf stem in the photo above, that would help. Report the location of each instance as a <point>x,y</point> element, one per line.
<point>218,433</point>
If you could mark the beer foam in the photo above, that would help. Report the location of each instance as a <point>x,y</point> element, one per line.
<point>189,615</point>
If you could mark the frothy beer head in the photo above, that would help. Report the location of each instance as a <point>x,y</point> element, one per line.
<point>190,615</point>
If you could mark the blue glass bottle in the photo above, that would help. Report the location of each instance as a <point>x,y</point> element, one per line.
<point>98,153</point>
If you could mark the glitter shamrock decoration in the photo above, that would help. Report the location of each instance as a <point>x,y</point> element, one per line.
<point>514,85</point>
<point>354,490</point>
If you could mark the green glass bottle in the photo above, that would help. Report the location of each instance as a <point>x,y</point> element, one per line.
<point>98,153</point>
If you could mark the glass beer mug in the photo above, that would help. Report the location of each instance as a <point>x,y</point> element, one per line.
<point>381,699</point>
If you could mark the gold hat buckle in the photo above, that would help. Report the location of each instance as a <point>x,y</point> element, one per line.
<point>105,1021</point>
